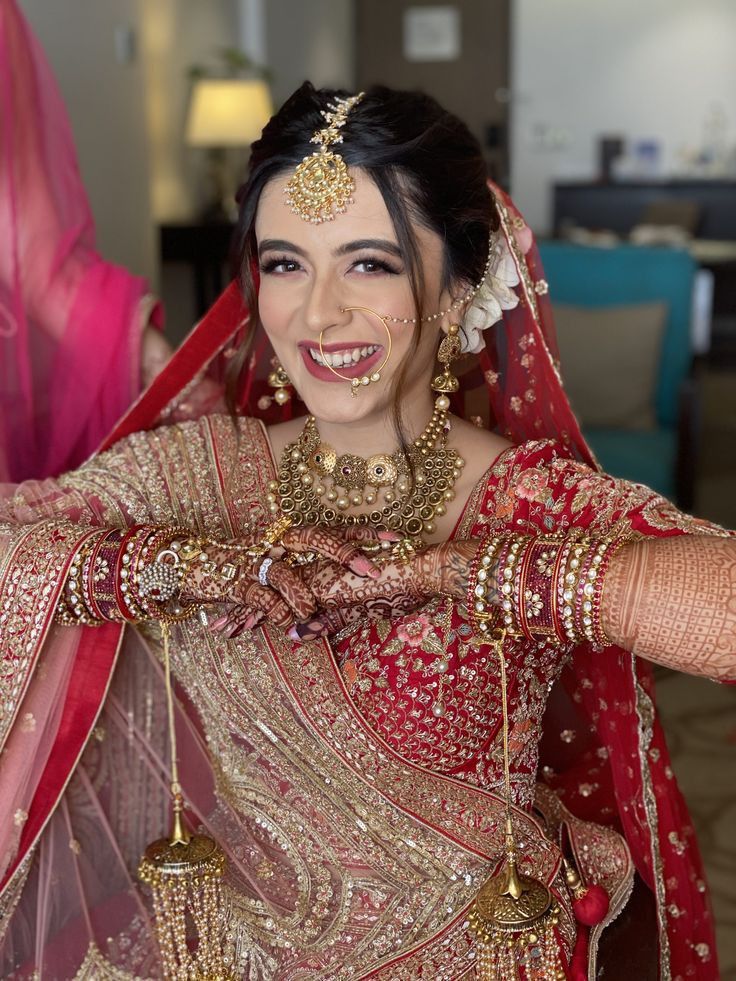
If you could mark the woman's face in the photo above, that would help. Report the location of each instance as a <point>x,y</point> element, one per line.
<point>311,273</point>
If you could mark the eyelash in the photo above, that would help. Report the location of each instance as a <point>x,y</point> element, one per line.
<point>382,266</point>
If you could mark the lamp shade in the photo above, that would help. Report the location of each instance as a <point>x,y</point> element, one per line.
<point>227,111</point>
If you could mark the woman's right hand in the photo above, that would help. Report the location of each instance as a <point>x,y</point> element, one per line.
<point>228,582</point>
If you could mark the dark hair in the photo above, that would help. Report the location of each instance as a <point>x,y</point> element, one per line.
<point>425,162</point>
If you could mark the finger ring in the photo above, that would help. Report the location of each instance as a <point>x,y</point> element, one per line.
<point>271,536</point>
<point>300,558</point>
<point>263,571</point>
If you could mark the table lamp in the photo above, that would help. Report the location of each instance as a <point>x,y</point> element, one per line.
<point>223,113</point>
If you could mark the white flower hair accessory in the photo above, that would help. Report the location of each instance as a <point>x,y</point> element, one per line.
<point>494,295</point>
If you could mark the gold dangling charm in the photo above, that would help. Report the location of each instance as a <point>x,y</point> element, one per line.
<point>449,351</point>
<point>514,915</point>
<point>184,872</point>
<point>279,380</point>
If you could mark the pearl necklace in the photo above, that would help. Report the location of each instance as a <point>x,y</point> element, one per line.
<point>316,486</point>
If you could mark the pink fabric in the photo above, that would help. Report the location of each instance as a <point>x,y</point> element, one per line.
<point>69,336</point>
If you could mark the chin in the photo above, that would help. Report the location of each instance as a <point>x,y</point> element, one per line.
<point>336,403</point>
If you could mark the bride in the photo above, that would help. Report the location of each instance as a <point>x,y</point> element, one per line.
<point>325,622</point>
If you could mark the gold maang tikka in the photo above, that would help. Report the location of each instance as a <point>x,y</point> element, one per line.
<point>321,186</point>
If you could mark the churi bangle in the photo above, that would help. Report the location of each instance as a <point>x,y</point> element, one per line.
<point>73,607</point>
<point>507,560</point>
<point>599,639</point>
<point>538,569</point>
<point>481,573</point>
<point>576,555</point>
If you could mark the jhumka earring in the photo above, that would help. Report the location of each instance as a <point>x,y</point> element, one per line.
<point>375,376</point>
<point>185,873</point>
<point>279,380</point>
<point>449,351</point>
<point>514,915</point>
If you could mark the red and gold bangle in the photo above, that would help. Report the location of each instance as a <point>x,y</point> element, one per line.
<point>96,576</point>
<point>536,589</point>
<point>571,579</point>
<point>131,542</point>
<point>560,586</point>
<point>74,606</point>
<point>103,575</point>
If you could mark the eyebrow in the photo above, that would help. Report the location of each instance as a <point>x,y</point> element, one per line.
<point>358,245</point>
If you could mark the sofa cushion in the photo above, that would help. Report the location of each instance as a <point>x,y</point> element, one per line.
<point>610,362</point>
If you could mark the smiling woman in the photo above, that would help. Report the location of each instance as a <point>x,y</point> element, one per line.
<point>365,609</point>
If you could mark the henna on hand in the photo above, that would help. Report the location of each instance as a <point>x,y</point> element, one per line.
<point>673,600</point>
<point>287,598</point>
<point>402,586</point>
<point>237,619</point>
<point>341,546</point>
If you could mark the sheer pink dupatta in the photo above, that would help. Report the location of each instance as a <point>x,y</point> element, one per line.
<point>69,337</point>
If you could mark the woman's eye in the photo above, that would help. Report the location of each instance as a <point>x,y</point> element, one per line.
<point>375,266</point>
<point>279,265</point>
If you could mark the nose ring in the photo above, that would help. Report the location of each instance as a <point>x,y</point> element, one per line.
<point>355,383</point>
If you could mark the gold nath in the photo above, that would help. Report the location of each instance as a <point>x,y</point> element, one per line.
<point>321,185</point>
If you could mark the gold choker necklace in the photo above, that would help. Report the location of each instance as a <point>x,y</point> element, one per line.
<point>316,486</point>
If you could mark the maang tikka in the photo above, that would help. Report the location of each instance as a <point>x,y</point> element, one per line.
<point>321,185</point>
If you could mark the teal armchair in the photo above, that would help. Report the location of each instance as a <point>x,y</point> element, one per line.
<point>662,456</point>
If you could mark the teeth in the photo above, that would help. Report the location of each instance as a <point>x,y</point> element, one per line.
<point>341,359</point>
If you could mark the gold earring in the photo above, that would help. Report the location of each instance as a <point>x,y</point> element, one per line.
<point>449,351</point>
<point>375,376</point>
<point>279,380</point>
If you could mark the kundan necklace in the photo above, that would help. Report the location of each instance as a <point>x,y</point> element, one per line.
<point>409,491</point>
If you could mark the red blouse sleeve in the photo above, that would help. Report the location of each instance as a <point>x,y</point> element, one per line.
<point>536,488</point>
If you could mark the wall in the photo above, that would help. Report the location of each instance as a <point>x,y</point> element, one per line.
<point>176,34</point>
<point>310,39</point>
<point>581,69</point>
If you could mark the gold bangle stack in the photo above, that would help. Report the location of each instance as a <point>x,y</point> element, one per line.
<point>549,587</point>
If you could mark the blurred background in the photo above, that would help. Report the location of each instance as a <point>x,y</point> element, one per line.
<point>613,124</point>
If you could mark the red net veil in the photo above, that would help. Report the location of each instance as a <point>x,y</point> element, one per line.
<point>69,322</point>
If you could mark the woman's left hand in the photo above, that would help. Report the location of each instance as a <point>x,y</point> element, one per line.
<point>343,598</point>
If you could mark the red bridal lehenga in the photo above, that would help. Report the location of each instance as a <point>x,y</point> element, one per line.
<point>357,824</point>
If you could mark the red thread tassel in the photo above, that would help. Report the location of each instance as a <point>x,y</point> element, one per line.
<point>591,908</point>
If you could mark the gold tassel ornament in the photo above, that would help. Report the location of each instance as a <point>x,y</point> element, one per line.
<point>184,872</point>
<point>514,915</point>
